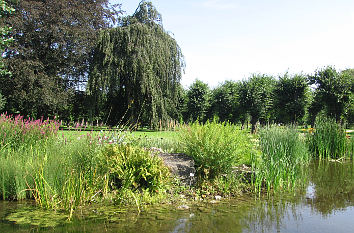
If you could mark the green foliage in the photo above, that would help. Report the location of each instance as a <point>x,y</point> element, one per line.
<point>2,102</point>
<point>333,92</point>
<point>290,99</point>
<point>198,102</point>
<point>284,151</point>
<point>225,102</point>
<point>5,39</point>
<point>70,172</point>
<point>136,71</point>
<point>215,147</point>
<point>256,98</point>
<point>51,52</point>
<point>134,168</point>
<point>328,141</point>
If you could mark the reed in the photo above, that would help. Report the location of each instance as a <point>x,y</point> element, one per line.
<point>279,166</point>
<point>328,141</point>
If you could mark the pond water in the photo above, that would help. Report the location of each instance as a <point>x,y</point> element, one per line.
<point>326,205</point>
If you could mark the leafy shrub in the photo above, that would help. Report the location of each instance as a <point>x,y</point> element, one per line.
<point>328,139</point>
<point>215,147</point>
<point>284,151</point>
<point>134,168</point>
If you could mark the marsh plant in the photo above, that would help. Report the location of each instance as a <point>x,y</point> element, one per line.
<point>66,173</point>
<point>16,131</point>
<point>328,141</point>
<point>283,153</point>
<point>215,147</point>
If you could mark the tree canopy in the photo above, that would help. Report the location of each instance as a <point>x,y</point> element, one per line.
<point>197,102</point>
<point>136,70</point>
<point>256,97</point>
<point>332,93</point>
<point>225,101</point>
<point>50,55</point>
<point>5,40</point>
<point>290,98</point>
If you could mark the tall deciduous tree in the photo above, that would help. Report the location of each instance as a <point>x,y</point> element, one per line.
<point>350,110</point>
<point>136,70</point>
<point>5,40</point>
<point>256,97</point>
<point>225,101</point>
<point>332,92</point>
<point>198,102</point>
<point>290,98</point>
<point>51,51</point>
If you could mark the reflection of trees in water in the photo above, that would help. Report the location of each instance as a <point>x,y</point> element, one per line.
<point>269,215</point>
<point>334,186</point>
<point>333,191</point>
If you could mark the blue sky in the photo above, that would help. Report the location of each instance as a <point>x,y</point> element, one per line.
<point>231,39</point>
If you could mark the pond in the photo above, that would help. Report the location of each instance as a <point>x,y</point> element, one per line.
<point>326,205</point>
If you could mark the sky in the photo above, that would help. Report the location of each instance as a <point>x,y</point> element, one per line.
<point>233,39</point>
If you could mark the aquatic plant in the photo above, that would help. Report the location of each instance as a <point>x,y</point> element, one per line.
<point>328,141</point>
<point>284,151</point>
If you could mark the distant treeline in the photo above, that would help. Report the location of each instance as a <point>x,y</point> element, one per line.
<point>83,60</point>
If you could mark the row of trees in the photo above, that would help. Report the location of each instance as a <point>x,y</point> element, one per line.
<point>296,99</point>
<point>82,59</point>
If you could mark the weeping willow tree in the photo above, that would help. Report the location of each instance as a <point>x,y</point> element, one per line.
<point>136,71</point>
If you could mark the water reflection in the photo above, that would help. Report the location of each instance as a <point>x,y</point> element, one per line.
<point>327,205</point>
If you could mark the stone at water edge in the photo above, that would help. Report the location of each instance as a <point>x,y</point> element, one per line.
<point>183,207</point>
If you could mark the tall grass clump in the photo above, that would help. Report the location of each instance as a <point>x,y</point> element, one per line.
<point>328,141</point>
<point>215,147</point>
<point>350,151</point>
<point>283,153</point>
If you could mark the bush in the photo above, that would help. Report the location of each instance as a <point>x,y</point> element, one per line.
<point>328,139</point>
<point>284,151</point>
<point>215,147</point>
<point>134,168</point>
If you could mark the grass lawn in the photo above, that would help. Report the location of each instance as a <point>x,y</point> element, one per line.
<point>155,134</point>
